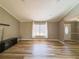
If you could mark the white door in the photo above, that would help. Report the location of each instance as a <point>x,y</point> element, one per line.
<point>67,31</point>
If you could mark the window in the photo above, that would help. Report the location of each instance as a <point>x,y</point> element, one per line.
<point>39,29</point>
<point>66,29</point>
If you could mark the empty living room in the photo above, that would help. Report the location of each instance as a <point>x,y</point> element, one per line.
<point>39,29</point>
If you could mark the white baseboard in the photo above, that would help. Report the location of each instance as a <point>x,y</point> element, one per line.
<point>40,39</point>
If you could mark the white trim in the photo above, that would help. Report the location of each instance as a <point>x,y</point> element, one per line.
<point>42,39</point>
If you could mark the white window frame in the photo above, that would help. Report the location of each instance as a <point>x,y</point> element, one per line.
<point>37,31</point>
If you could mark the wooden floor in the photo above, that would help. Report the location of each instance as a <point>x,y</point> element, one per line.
<point>42,49</point>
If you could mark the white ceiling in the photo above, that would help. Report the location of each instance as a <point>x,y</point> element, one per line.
<point>38,10</point>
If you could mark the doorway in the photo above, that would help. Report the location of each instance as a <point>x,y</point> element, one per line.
<point>67,31</point>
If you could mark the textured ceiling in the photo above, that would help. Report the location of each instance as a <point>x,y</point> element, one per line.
<point>38,10</point>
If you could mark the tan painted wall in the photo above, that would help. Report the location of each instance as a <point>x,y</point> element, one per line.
<point>53,30</point>
<point>26,30</point>
<point>75,30</point>
<point>78,27</point>
<point>61,30</point>
<point>13,29</point>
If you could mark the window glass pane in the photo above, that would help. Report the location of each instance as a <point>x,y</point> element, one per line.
<point>39,29</point>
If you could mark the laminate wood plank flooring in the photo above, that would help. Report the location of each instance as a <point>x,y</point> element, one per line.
<point>42,49</point>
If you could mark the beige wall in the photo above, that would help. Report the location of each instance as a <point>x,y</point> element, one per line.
<point>78,27</point>
<point>61,30</point>
<point>26,30</point>
<point>75,30</point>
<point>53,30</point>
<point>13,29</point>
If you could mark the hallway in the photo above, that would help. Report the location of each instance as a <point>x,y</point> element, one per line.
<point>42,49</point>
